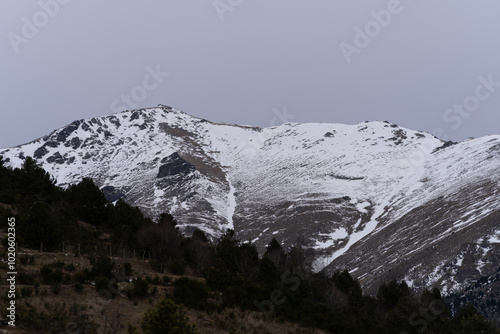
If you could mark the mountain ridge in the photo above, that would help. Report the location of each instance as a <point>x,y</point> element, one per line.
<point>347,194</point>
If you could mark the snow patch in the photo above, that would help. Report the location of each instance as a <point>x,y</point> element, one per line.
<point>362,206</point>
<point>231,208</point>
<point>495,238</point>
<point>340,233</point>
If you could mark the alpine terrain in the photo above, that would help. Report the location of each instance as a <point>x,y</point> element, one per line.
<point>377,199</point>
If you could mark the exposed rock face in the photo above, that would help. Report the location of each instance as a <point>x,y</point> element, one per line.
<point>112,194</point>
<point>56,158</point>
<point>74,143</point>
<point>67,131</point>
<point>375,198</point>
<point>175,165</point>
<point>40,152</point>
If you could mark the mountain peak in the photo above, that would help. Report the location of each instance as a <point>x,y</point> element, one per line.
<point>345,192</point>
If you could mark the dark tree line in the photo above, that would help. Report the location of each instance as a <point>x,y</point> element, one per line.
<point>50,215</point>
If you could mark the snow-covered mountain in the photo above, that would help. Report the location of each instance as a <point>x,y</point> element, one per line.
<point>376,198</point>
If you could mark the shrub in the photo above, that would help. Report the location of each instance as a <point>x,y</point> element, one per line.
<point>80,277</point>
<point>101,283</point>
<point>50,276</point>
<point>26,291</point>
<point>36,284</point>
<point>102,265</point>
<point>168,317</point>
<point>67,278</point>
<point>23,259</point>
<point>45,271</point>
<point>55,276</point>
<point>155,280</point>
<point>166,280</point>
<point>56,288</point>
<point>7,199</point>
<point>177,267</point>
<point>70,267</point>
<point>58,264</point>
<point>140,289</point>
<point>78,287</point>
<point>105,287</point>
<point>57,319</point>
<point>219,278</point>
<point>191,293</point>
<point>25,278</point>
<point>127,269</point>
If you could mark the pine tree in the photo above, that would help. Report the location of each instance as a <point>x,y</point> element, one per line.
<point>38,225</point>
<point>470,321</point>
<point>348,285</point>
<point>275,252</point>
<point>35,180</point>
<point>90,203</point>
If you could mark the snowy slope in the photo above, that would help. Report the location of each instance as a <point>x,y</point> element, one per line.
<point>450,213</point>
<point>350,193</point>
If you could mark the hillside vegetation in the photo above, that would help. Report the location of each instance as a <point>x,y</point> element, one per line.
<point>89,266</point>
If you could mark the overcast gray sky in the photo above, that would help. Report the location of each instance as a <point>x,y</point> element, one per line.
<point>252,62</point>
